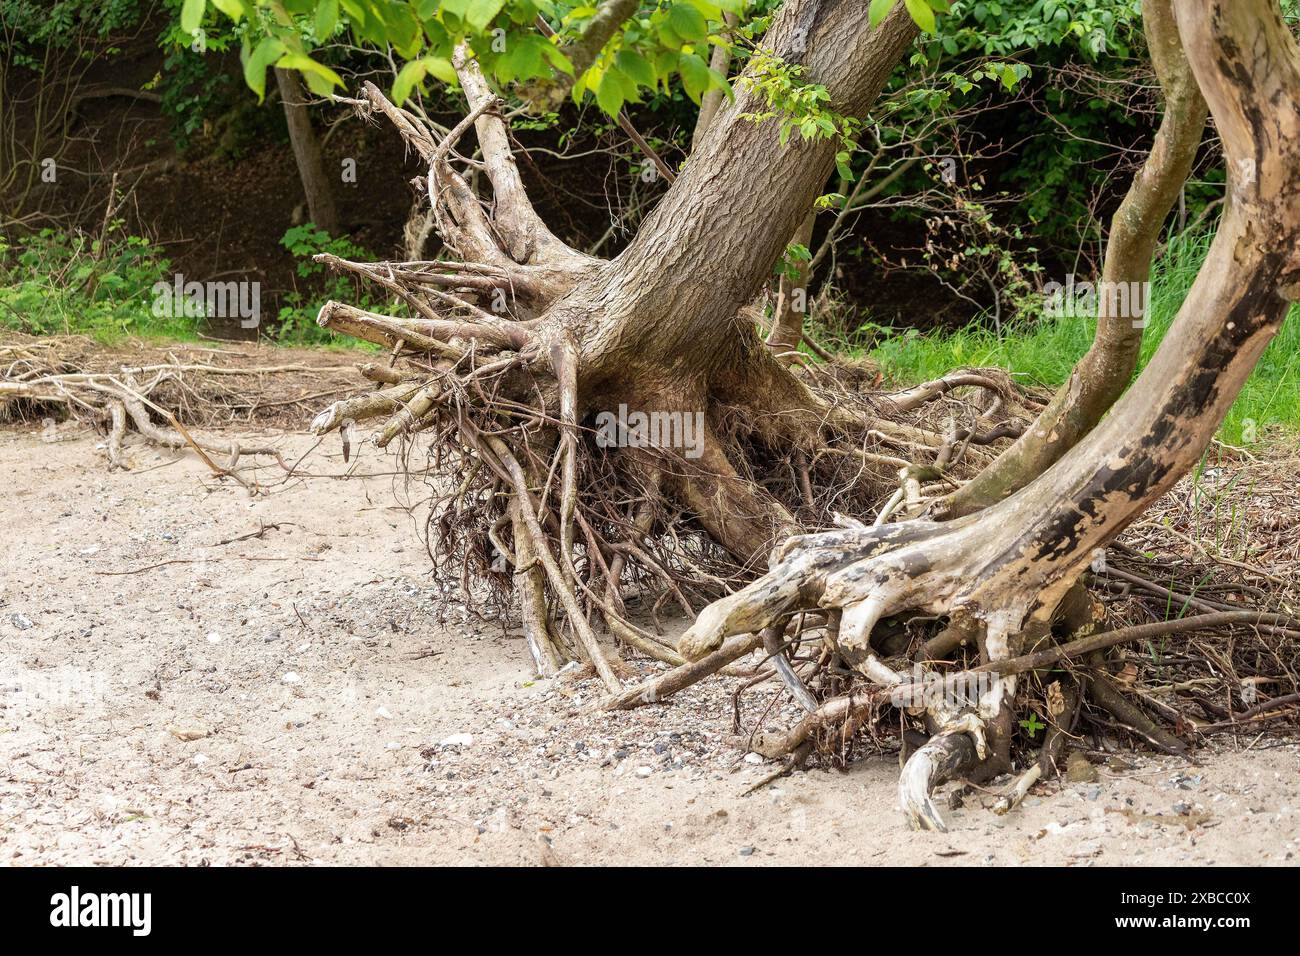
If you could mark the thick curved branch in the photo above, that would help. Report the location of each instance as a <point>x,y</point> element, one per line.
<point>1106,370</point>
<point>524,233</point>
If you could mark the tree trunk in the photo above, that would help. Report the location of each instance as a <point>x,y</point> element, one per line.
<point>1106,370</point>
<point>792,297</point>
<point>529,338</point>
<point>307,152</point>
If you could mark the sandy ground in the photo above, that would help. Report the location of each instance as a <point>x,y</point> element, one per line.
<point>291,698</point>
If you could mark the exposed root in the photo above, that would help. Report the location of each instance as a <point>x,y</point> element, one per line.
<point>538,502</point>
<point>65,377</point>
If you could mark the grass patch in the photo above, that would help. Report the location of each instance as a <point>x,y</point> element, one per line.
<point>61,283</point>
<point>1044,349</point>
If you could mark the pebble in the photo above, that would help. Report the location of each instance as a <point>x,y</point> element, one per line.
<point>753,758</point>
<point>457,740</point>
<point>21,621</point>
<point>746,851</point>
<point>1078,769</point>
<point>187,731</point>
<point>290,677</point>
<point>644,771</point>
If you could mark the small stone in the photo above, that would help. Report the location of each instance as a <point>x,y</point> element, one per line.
<point>187,731</point>
<point>214,637</point>
<point>1078,769</point>
<point>290,677</point>
<point>21,621</point>
<point>644,771</point>
<point>746,851</point>
<point>383,714</point>
<point>753,758</point>
<point>457,740</point>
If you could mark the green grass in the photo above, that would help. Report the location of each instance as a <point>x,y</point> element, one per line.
<point>1044,350</point>
<point>55,283</point>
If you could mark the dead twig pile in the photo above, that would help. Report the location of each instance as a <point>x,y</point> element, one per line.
<point>162,394</point>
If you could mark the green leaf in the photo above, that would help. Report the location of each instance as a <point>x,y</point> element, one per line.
<point>481,12</point>
<point>695,75</point>
<point>235,9</point>
<point>922,14</point>
<point>320,78</point>
<point>327,18</point>
<point>558,59</point>
<point>266,53</point>
<point>408,77</point>
<point>669,37</point>
<point>879,10</point>
<point>711,11</point>
<point>610,93</point>
<point>688,23</point>
<point>522,59</point>
<point>441,68</point>
<point>192,14</point>
<point>637,67</point>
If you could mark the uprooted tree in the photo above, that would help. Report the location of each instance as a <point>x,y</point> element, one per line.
<point>517,342</point>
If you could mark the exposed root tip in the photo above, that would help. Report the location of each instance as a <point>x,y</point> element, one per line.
<point>941,758</point>
<point>327,420</point>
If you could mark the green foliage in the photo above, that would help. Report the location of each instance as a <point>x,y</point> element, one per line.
<point>1044,349</point>
<point>1092,28</point>
<point>922,12</point>
<point>195,89</point>
<point>665,40</point>
<point>799,106</point>
<point>297,317</point>
<point>32,25</point>
<point>54,282</point>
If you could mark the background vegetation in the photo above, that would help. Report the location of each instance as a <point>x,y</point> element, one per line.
<point>990,167</point>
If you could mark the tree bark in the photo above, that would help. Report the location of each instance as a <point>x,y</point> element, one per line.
<point>792,297</point>
<point>720,62</point>
<point>1107,369</point>
<point>307,152</point>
